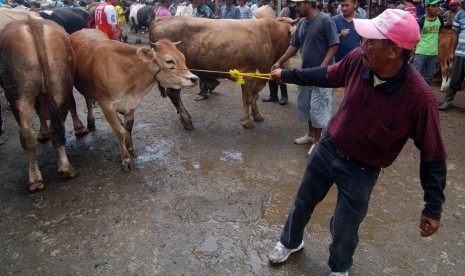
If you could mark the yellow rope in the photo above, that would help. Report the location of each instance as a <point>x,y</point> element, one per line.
<point>237,75</point>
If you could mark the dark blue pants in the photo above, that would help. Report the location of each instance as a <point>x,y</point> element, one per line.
<point>355,183</point>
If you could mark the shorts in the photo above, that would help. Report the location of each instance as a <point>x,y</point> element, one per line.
<point>314,105</point>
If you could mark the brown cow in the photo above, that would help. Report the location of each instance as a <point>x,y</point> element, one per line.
<point>221,45</point>
<point>9,15</point>
<point>119,75</point>
<point>37,68</point>
<point>445,37</point>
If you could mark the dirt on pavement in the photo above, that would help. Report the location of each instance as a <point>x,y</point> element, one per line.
<point>211,201</point>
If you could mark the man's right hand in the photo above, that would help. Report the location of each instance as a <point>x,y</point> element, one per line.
<point>275,66</point>
<point>276,74</point>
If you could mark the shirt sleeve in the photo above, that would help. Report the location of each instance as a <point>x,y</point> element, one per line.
<point>428,139</point>
<point>315,76</point>
<point>112,19</point>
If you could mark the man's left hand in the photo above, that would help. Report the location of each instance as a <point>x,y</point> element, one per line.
<point>428,226</point>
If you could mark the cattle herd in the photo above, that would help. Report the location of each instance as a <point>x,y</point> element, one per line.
<point>41,60</point>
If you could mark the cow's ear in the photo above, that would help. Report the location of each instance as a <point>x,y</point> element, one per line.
<point>146,53</point>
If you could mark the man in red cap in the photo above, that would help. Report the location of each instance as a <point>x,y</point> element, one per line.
<point>385,103</point>
<point>449,15</point>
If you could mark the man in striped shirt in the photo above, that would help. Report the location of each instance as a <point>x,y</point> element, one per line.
<point>385,103</point>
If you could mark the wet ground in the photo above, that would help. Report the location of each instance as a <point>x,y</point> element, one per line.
<point>211,201</point>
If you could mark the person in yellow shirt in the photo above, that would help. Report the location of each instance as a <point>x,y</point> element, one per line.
<point>122,25</point>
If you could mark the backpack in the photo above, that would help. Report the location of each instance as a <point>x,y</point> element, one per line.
<point>421,21</point>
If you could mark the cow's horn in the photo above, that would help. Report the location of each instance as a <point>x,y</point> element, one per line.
<point>177,43</point>
<point>154,45</point>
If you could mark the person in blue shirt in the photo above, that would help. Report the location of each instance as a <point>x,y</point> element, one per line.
<point>348,36</point>
<point>230,11</point>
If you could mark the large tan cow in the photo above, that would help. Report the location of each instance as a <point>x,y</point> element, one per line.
<point>119,75</point>
<point>445,37</point>
<point>221,45</point>
<point>37,69</point>
<point>8,15</point>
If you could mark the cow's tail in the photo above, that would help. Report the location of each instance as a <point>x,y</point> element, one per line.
<point>37,32</point>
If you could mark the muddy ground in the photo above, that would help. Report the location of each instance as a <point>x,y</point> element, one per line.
<point>211,201</point>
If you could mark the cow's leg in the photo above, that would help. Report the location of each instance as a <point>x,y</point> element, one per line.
<point>137,30</point>
<point>445,72</point>
<point>175,97</point>
<point>44,131</point>
<point>255,113</point>
<point>27,137</point>
<point>444,83</point>
<point>246,101</point>
<point>120,131</point>
<point>79,129</point>
<point>90,114</point>
<point>128,125</point>
<point>65,169</point>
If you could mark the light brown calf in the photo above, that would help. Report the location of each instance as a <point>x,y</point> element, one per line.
<point>119,75</point>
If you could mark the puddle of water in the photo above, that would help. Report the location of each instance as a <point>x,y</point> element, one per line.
<point>206,163</point>
<point>231,156</point>
<point>155,151</point>
<point>281,203</point>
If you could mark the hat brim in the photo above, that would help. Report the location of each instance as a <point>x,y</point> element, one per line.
<point>434,2</point>
<point>365,28</point>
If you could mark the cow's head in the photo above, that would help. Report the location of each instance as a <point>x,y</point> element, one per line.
<point>168,65</point>
<point>291,23</point>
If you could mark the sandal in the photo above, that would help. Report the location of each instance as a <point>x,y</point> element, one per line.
<point>200,97</point>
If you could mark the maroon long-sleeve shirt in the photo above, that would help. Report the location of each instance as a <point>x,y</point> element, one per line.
<point>373,123</point>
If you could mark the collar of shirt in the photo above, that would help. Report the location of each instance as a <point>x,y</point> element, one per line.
<point>389,85</point>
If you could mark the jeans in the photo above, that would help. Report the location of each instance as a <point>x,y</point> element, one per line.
<point>355,183</point>
<point>426,65</point>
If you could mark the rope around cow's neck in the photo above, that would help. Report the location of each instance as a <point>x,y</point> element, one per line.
<point>238,75</point>
<point>235,74</point>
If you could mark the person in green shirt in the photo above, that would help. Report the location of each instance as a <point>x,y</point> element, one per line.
<point>425,56</point>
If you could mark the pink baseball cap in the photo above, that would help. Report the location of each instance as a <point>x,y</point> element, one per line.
<point>396,25</point>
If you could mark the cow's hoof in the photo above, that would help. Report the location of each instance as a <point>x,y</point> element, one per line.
<point>127,165</point>
<point>43,137</point>
<point>258,118</point>
<point>247,125</point>
<point>70,174</point>
<point>80,132</point>
<point>37,186</point>
<point>187,124</point>
<point>91,126</point>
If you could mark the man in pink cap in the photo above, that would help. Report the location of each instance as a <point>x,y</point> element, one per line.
<point>386,102</point>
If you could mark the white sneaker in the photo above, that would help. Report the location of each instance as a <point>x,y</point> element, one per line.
<point>303,140</point>
<point>280,253</point>
<point>311,149</point>
<point>339,273</point>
